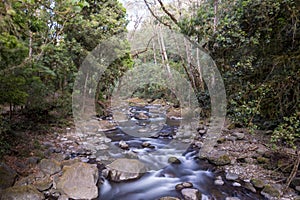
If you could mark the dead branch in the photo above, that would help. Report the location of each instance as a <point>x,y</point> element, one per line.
<point>293,173</point>
<point>135,54</point>
<point>155,16</point>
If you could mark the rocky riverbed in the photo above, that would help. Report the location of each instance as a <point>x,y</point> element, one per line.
<point>158,159</point>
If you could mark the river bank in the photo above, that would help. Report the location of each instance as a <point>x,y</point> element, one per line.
<point>243,166</point>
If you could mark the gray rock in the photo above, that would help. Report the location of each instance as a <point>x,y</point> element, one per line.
<point>48,144</point>
<point>191,194</point>
<point>183,185</point>
<point>169,198</point>
<point>43,184</point>
<point>179,187</point>
<point>250,187</point>
<point>125,169</point>
<point>49,166</point>
<point>219,182</point>
<point>26,192</point>
<point>238,135</point>
<point>231,176</point>
<point>297,188</point>
<point>236,184</point>
<point>187,184</point>
<point>28,180</point>
<point>202,132</point>
<point>123,145</point>
<point>63,197</point>
<point>32,160</point>
<point>141,116</point>
<point>7,176</point>
<point>146,144</point>
<point>78,181</point>
<point>232,198</point>
<point>85,160</point>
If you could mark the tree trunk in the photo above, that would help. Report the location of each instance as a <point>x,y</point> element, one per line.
<point>216,4</point>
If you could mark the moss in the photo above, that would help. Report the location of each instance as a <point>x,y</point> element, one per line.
<point>220,160</point>
<point>257,183</point>
<point>270,191</point>
<point>262,160</point>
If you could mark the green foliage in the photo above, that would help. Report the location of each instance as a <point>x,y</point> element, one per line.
<point>12,90</point>
<point>42,45</point>
<point>12,50</point>
<point>288,131</point>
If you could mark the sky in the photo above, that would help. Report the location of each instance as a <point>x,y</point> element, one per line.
<point>136,10</point>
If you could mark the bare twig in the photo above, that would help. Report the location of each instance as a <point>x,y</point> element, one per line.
<point>155,16</point>
<point>144,50</point>
<point>294,172</point>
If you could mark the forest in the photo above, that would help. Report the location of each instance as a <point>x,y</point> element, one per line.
<point>253,51</point>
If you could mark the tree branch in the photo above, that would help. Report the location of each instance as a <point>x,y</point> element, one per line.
<point>144,50</point>
<point>156,17</point>
<point>167,12</point>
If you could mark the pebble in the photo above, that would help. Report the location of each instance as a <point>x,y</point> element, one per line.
<point>146,144</point>
<point>219,182</point>
<point>85,160</point>
<point>101,147</point>
<point>123,145</point>
<point>142,130</point>
<point>231,176</point>
<point>236,184</point>
<point>179,187</point>
<point>187,184</point>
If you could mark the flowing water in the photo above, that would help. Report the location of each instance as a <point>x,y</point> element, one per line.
<point>162,177</point>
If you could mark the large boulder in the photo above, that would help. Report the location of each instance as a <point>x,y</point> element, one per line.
<point>124,169</point>
<point>78,181</point>
<point>7,176</point>
<point>49,166</point>
<point>25,192</point>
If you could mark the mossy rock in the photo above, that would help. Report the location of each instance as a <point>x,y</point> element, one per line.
<point>174,160</point>
<point>219,160</point>
<point>262,160</point>
<point>257,183</point>
<point>270,192</point>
